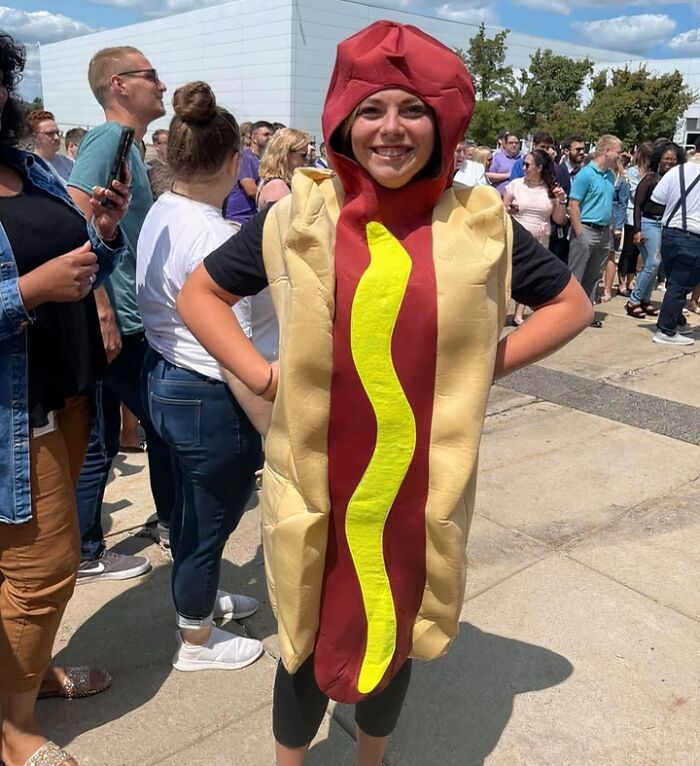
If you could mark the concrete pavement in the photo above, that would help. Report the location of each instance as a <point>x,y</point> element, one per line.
<point>580,636</point>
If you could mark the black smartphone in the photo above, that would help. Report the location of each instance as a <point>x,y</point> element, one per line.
<point>121,157</point>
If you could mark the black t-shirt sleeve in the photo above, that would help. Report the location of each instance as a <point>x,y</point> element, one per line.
<point>237,266</point>
<point>538,276</point>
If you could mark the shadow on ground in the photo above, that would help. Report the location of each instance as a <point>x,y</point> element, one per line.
<point>133,636</point>
<point>458,707</point>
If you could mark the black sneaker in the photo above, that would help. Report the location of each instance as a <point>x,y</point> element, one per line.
<point>112,566</point>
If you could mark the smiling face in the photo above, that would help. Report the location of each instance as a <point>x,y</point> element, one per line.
<point>393,137</point>
<point>145,94</point>
<point>533,172</point>
<point>667,161</point>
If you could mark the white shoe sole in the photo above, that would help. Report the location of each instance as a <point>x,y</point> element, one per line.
<point>113,576</point>
<point>190,666</point>
<point>688,342</point>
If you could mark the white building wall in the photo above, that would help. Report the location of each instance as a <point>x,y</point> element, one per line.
<point>272,59</point>
<point>242,49</point>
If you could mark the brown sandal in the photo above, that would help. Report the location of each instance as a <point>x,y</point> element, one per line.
<point>635,310</point>
<point>649,309</point>
<point>76,684</point>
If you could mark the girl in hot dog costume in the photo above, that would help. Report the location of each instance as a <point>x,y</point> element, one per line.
<point>391,289</point>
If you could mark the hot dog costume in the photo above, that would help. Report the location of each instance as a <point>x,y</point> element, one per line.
<point>390,306</point>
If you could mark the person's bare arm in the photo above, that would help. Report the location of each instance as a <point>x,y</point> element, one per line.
<point>111,337</point>
<point>558,212</point>
<point>496,178</point>
<point>551,326</point>
<point>575,216</point>
<point>273,191</point>
<point>249,186</point>
<point>206,309</point>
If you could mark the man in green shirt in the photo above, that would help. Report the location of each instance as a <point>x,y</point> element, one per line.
<point>131,94</point>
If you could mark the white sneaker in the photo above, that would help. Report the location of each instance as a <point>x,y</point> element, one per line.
<point>672,340</point>
<point>223,651</point>
<point>229,606</point>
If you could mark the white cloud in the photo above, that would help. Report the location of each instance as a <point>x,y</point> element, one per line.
<point>40,26</point>
<point>634,34</point>
<point>555,6</point>
<point>566,7</point>
<point>686,42</point>
<point>37,27</point>
<point>471,11</point>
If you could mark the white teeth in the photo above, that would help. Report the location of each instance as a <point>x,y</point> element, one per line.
<point>390,151</point>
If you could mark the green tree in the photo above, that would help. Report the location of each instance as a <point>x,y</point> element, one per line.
<point>485,60</point>
<point>551,91</point>
<point>491,118</point>
<point>636,105</point>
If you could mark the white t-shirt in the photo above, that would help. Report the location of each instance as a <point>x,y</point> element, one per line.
<point>471,173</point>
<point>177,234</point>
<point>668,192</point>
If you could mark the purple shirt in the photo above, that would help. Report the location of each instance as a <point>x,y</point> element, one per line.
<point>239,206</point>
<point>502,163</point>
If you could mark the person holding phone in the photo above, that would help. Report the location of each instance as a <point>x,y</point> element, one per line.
<point>51,357</point>
<point>131,93</point>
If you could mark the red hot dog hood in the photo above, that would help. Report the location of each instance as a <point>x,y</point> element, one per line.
<point>390,55</point>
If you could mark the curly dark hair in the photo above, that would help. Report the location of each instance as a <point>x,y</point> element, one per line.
<point>546,164</point>
<point>661,149</point>
<point>12,60</point>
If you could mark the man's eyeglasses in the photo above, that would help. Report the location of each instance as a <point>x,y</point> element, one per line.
<point>49,133</point>
<point>149,74</point>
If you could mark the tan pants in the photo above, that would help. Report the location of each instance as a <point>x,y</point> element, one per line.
<point>39,559</point>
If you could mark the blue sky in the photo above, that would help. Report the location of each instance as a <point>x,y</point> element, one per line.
<point>643,27</point>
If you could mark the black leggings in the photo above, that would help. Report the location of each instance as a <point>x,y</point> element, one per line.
<point>629,254</point>
<point>299,706</point>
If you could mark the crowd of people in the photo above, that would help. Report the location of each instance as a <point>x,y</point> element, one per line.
<point>234,289</point>
<point>600,214</point>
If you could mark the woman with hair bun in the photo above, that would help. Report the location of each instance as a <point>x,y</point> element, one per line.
<point>285,153</point>
<point>214,446</point>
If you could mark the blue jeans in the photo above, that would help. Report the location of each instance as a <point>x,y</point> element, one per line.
<point>680,252</point>
<point>649,250</point>
<point>122,383</point>
<point>215,451</point>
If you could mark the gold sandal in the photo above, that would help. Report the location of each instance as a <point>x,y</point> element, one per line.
<point>76,684</point>
<point>50,754</point>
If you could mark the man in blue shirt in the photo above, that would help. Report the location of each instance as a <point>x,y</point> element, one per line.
<point>590,212</point>
<point>129,90</point>
<point>240,204</point>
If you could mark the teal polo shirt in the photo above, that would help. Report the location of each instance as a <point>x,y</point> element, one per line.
<point>92,167</point>
<point>594,188</point>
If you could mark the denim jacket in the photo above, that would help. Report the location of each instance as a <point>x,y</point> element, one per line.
<point>15,489</point>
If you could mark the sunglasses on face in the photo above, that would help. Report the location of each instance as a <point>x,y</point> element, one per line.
<point>148,74</point>
<point>526,165</point>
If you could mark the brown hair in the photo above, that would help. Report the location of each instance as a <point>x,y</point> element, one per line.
<point>103,65</point>
<point>38,116</point>
<point>203,136</point>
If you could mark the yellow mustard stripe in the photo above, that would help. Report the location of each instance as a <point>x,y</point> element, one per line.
<point>378,298</point>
